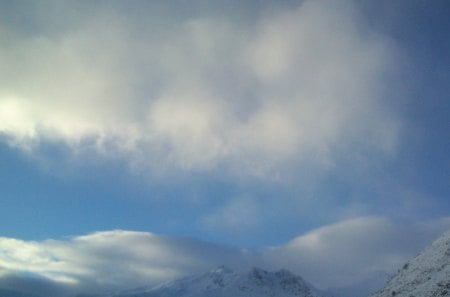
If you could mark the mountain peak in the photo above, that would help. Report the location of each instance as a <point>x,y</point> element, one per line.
<point>222,269</point>
<point>224,282</point>
<point>428,274</point>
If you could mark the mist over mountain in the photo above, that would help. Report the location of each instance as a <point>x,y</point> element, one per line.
<point>361,289</point>
<point>223,282</point>
<point>426,275</point>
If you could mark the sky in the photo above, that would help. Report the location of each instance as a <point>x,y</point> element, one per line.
<point>184,134</point>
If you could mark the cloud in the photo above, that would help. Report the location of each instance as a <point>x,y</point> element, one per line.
<point>341,254</point>
<point>352,251</point>
<point>36,286</point>
<point>239,215</point>
<point>111,260</point>
<point>200,92</point>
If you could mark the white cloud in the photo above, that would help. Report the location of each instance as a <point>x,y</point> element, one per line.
<point>340,254</point>
<point>202,92</point>
<point>355,250</point>
<point>113,259</point>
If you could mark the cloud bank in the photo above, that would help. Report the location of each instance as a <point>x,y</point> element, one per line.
<point>341,254</point>
<point>111,260</point>
<point>354,250</point>
<point>197,91</point>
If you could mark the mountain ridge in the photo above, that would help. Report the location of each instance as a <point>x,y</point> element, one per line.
<point>222,281</point>
<point>426,275</point>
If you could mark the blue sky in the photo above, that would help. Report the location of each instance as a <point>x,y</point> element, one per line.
<point>241,125</point>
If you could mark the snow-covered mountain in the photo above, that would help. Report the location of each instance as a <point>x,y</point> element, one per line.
<point>223,282</point>
<point>427,275</point>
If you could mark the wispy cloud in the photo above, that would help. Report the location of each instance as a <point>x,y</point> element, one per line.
<point>199,92</point>
<point>239,215</point>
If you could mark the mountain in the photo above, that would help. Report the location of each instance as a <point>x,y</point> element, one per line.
<point>427,275</point>
<point>223,282</point>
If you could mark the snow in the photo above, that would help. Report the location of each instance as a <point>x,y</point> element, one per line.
<point>427,275</point>
<point>223,282</point>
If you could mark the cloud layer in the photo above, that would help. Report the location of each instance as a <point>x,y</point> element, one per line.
<point>341,254</point>
<point>355,250</point>
<point>111,260</point>
<point>198,91</point>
